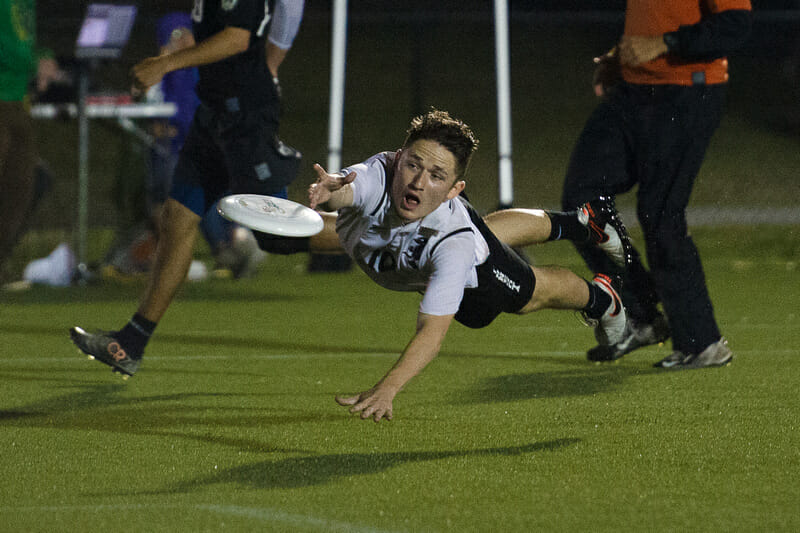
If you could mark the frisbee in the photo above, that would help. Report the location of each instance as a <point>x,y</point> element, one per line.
<point>277,216</point>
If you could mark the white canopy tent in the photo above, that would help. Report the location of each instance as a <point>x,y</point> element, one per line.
<point>502,69</point>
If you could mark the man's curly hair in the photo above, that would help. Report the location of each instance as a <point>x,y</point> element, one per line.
<point>453,134</point>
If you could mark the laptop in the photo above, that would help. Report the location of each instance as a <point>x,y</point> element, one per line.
<point>105,31</point>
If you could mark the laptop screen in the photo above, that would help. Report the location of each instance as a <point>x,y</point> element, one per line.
<point>105,30</point>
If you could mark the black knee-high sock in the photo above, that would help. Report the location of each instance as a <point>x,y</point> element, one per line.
<point>566,226</point>
<point>134,336</point>
<point>599,301</point>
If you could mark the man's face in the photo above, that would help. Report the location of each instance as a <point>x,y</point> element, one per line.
<point>425,178</point>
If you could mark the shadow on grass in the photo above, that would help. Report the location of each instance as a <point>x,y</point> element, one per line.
<point>102,408</point>
<point>298,472</point>
<point>586,381</point>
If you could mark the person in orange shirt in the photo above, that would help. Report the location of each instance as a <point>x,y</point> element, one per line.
<point>663,88</point>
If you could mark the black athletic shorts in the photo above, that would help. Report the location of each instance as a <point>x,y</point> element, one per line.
<point>231,150</point>
<point>505,281</point>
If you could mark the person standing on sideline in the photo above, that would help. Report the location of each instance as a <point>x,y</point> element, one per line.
<point>235,251</point>
<point>19,62</point>
<point>232,147</point>
<point>663,89</point>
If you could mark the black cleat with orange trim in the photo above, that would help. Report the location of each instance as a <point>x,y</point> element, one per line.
<point>606,229</point>
<point>106,349</point>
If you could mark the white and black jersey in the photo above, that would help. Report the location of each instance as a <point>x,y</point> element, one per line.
<point>446,255</point>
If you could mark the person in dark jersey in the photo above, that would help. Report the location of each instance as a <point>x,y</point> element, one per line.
<point>232,147</point>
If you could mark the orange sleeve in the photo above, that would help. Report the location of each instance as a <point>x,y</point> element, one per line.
<point>724,5</point>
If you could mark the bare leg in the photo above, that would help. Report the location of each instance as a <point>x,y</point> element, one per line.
<point>326,241</point>
<point>519,227</point>
<point>514,227</point>
<point>556,288</point>
<point>17,163</point>
<point>177,235</point>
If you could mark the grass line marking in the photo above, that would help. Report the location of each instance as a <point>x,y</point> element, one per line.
<point>276,515</point>
<point>263,514</point>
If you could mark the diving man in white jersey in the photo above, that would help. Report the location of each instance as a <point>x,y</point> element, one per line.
<point>404,220</point>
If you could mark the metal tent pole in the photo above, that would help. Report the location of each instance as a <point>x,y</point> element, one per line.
<point>506,179</point>
<point>337,83</point>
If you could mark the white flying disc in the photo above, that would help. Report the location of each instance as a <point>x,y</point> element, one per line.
<point>271,215</point>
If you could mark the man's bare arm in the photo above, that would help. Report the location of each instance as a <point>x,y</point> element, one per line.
<point>222,45</point>
<point>376,403</point>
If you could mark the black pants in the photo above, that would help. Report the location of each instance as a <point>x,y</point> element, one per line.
<point>654,137</point>
<point>232,150</point>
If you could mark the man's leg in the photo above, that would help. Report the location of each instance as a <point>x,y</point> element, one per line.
<point>17,163</point>
<point>327,240</point>
<point>177,236</point>
<point>662,199</point>
<point>519,227</point>
<point>602,166</point>
<point>324,242</point>
<point>598,300</point>
<point>122,350</point>
<point>594,224</point>
<point>557,288</point>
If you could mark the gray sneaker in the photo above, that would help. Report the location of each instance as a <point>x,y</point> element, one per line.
<point>636,335</point>
<point>106,349</point>
<point>717,354</point>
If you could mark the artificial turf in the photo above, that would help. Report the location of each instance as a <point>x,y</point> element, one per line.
<point>230,423</point>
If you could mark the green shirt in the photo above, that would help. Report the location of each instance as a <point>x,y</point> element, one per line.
<point>17,36</point>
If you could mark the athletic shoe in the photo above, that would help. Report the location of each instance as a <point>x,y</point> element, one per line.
<point>672,360</point>
<point>636,335</point>
<point>717,354</point>
<point>606,229</point>
<point>609,329</point>
<point>106,349</point>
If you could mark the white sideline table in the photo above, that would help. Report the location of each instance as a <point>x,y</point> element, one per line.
<point>123,113</point>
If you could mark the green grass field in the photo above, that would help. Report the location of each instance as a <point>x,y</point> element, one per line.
<point>230,424</point>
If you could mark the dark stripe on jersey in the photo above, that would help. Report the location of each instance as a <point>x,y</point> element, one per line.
<point>387,184</point>
<point>384,199</point>
<point>456,232</point>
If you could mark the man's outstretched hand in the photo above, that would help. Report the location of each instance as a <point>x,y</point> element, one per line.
<point>375,403</point>
<point>321,190</point>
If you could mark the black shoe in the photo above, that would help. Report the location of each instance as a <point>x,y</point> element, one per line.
<point>106,349</point>
<point>607,230</point>
<point>635,336</point>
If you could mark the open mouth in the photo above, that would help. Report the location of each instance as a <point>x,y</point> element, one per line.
<point>410,200</point>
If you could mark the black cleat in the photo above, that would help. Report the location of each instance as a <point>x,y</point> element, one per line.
<point>106,349</point>
<point>607,230</point>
